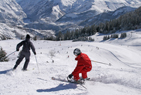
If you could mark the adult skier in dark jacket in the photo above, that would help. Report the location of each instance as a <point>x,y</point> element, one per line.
<point>83,66</point>
<point>25,52</point>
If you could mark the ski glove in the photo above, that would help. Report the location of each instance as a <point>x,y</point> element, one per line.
<point>34,53</point>
<point>70,76</point>
<point>17,49</point>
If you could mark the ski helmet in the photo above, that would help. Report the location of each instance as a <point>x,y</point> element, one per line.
<point>27,36</point>
<point>76,51</point>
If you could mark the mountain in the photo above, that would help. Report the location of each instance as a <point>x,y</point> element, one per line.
<point>70,10</point>
<point>47,17</point>
<point>58,15</point>
<point>11,12</point>
<point>11,22</point>
<point>106,16</point>
<point>11,15</point>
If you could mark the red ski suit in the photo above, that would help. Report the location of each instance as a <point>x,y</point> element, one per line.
<point>83,66</point>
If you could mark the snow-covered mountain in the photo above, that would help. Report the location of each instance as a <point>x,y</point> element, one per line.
<point>11,15</point>
<point>76,10</point>
<point>60,14</point>
<point>11,22</point>
<point>11,12</point>
<point>56,15</point>
<point>106,16</point>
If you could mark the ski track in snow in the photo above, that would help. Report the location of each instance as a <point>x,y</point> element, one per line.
<point>122,78</point>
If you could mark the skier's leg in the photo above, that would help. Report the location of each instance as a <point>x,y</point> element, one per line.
<point>76,76</point>
<point>77,72</point>
<point>84,75</point>
<point>26,64</point>
<point>18,61</point>
<point>27,59</point>
<point>84,72</point>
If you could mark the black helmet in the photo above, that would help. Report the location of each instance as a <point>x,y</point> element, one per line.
<point>27,37</point>
<point>76,51</point>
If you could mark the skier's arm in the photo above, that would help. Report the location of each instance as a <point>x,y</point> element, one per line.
<point>33,48</point>
<point>19,45</point>
<point>78,57</point>
<point>77,69</point>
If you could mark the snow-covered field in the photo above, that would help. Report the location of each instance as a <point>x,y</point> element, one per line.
<point>122,78</point>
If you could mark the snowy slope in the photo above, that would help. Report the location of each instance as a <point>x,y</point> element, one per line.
<point>122,78</point>
<point>19,32</point>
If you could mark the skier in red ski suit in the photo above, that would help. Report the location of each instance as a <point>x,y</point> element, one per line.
<point>83,66</point>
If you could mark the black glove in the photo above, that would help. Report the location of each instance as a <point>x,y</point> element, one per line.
<point>34,53</point>
<point>17,49</point>
<point>70,76</point>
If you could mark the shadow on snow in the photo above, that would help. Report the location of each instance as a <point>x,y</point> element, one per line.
<point>5,71</point>
<point>59,87</point>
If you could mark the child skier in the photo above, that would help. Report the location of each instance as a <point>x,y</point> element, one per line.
<point>83,66</point>
<point>25,53</point>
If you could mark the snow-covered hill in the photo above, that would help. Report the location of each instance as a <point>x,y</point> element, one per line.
<point>11,22</point>
<point>18,32</point>
<point>11,12</point>
<point>11,15</point>
<point>122,78</point>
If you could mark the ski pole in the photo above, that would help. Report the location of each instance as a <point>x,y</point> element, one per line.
<point>7,56</point>
<point>37,64</point>
<point>102,63</point>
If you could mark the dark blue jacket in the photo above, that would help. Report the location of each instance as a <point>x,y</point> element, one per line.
<point>27,44</point>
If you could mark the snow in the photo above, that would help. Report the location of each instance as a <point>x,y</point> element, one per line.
<point>6,30</point>
<point>11,12</point>
<point>57,12</point>
<point>65,8</point>
<point>122,78</point>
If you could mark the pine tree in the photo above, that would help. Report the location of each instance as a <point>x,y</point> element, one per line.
<point>60,36</point>
<point>67,35</point>
<point>35,38</point>
<point>123,35</point>
<point>3,55</point>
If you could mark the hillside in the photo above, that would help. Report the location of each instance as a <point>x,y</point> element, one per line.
<point>122,78</point>
<point>11,12</point>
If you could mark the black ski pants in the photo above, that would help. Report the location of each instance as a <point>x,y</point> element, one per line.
<point>22,55</point>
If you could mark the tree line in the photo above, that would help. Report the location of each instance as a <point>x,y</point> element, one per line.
<point>122,35</point>
<point>128,21</point>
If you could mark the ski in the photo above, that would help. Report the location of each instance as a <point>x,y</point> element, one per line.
<point>59,79</point>
<point>64,80</point>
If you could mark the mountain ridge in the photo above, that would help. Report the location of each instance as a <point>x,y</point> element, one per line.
<point>40,16</point>
<point>64,13</point>
<point>44,8</point>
